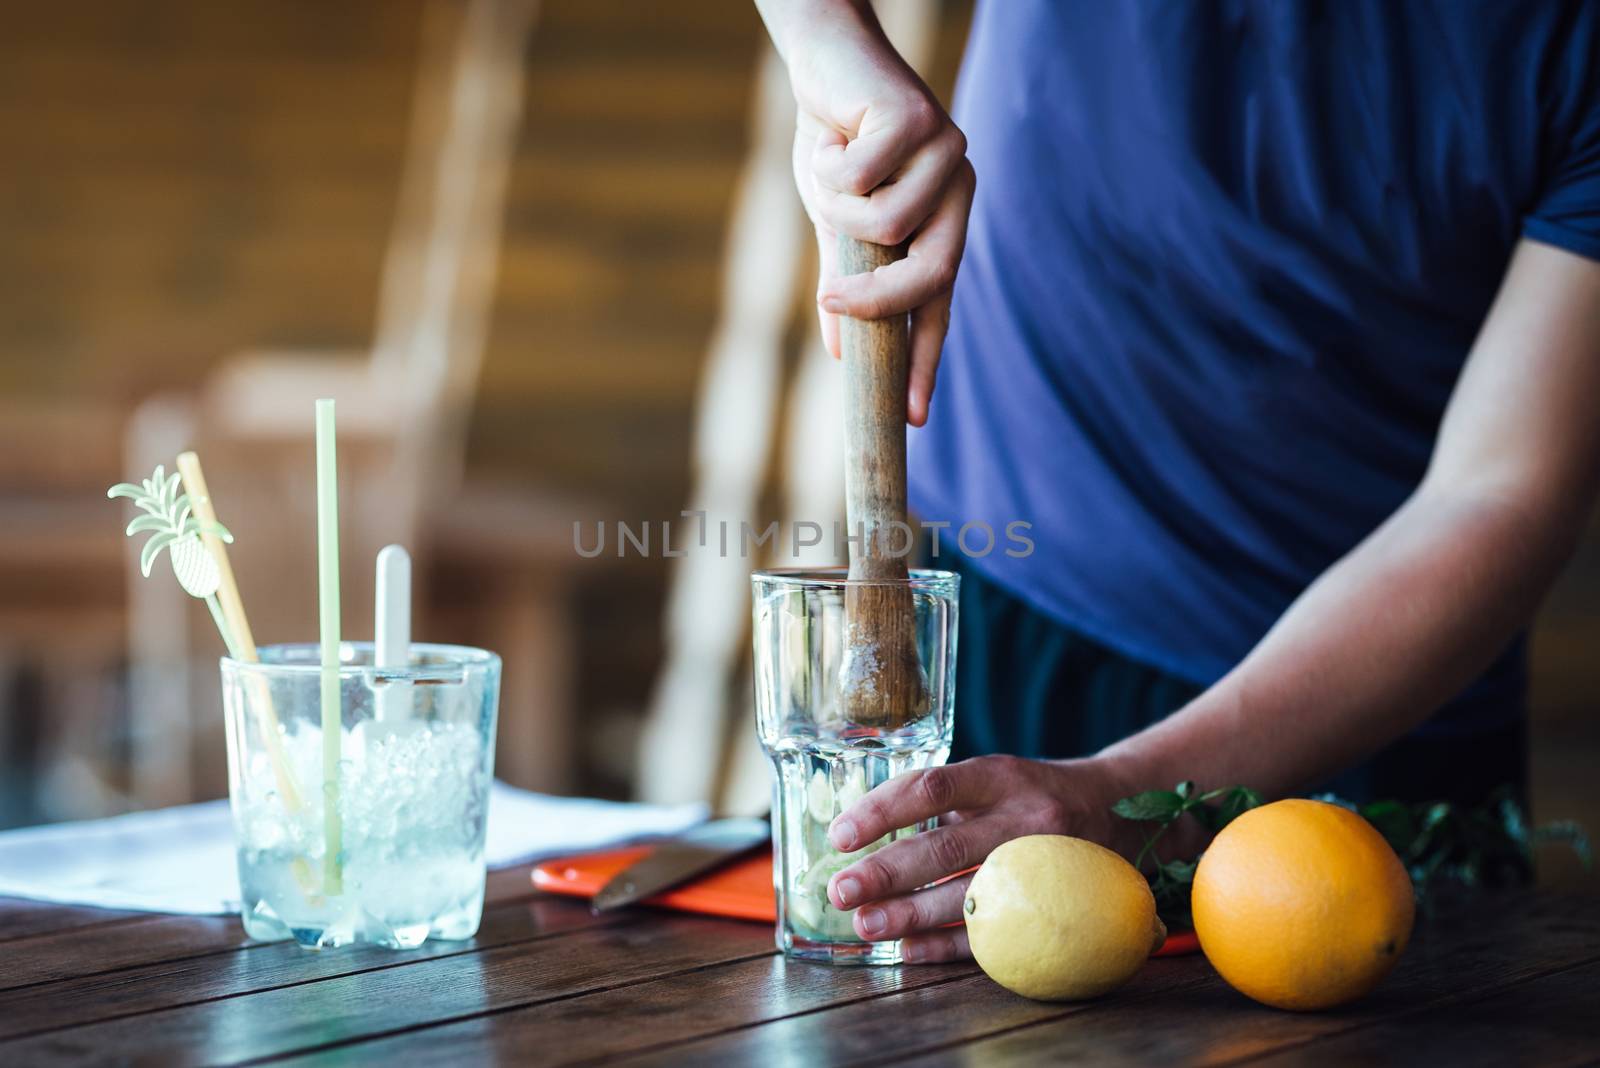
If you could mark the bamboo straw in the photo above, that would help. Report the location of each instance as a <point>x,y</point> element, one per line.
<point>236,633</point>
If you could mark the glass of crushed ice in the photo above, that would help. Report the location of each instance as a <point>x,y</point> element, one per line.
<point>411,797</point>
<point>822,762</point>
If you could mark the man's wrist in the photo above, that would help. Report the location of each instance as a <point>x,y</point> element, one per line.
<point>1091,786</point>
<point>1130,768</point>
<point>791,23</point>
<point>1123,774</point>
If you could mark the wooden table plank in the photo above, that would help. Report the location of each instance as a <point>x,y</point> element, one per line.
<point>919,1019</point>
<point>1552,1020</point>
<point>1176,1011</point>
<point>96,950</point>
<point>1210,1024</point>
<point>338,1010</point>
<point>21,918</point>
<point>546,982</point>
<point>260,966</point>
<point>660,1013</point>
<point>145,938</point>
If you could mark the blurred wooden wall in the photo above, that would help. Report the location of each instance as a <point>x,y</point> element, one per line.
<point>182,178</point>
<point>185,179</point>
<point>634,132</point>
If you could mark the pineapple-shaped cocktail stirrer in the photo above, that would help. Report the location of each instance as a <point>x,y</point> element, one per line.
<point>175,528</point>
<point>170,517</point>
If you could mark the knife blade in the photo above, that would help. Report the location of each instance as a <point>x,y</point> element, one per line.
<point>681,858</point>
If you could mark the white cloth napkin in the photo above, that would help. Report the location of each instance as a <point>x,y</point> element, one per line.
<point>181,859</point>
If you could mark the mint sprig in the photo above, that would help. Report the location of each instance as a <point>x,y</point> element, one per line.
<point>1170,880</point>
<point>1490,845</point>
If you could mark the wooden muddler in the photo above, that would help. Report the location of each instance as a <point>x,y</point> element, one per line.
<point>881,676</point>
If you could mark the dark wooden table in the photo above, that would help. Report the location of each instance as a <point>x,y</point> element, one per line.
<point>1507,980</point>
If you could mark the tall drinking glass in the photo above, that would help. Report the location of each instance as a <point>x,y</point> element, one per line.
<point>410,790</point>
<point>823,762</point>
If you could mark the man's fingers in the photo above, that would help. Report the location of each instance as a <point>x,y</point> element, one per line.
<point>905,866</point>
<point>910,799</point>
<point>827,271</point>
<point>880,148</point>
<point>893,289</point>
<point>897,917</point>
<point>928,269</point>
<point>928,326</point>
<point>937,947</point>
<point>830,332</point>
<point>891,212</point>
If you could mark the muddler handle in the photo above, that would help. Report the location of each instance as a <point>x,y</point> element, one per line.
<point>881,678</point>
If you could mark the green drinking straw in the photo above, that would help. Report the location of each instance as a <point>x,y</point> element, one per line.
<point>328,600</point>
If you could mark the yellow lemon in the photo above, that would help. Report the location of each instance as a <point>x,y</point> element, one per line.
<point>1059,919</point>
<point>1302,905</point>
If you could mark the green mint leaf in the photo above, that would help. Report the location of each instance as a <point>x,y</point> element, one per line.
<point>1392,820</point>
<point>1160,806</point>
<point>1235,803</point>
<point>1179,871</point>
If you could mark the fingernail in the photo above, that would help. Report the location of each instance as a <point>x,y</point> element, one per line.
<point>842,834</point>
<point>913,953</point>
<point>847,890</point>
<point>832,304</point>
<point>873,921</point>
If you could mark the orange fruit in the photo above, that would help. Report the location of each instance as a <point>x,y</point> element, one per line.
<point>1302,905</point>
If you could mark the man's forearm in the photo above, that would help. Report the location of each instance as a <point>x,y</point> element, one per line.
<point>1368,651</point>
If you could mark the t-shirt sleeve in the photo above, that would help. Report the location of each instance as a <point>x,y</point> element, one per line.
<point>1567,211</point>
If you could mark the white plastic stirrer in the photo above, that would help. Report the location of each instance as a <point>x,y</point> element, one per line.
<point>392,631</point>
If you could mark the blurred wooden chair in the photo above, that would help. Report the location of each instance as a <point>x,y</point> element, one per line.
<point>403,408</point>
<point>61,619</point>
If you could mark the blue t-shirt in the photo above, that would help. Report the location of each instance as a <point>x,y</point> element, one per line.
<point>1224,266</point>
